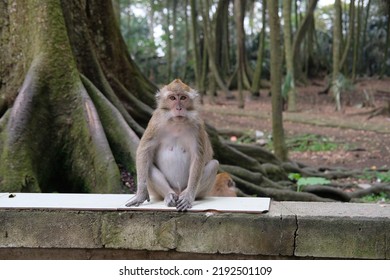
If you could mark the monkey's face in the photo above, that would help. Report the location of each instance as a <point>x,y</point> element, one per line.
<point>179,104</point>
<point>178,99</point>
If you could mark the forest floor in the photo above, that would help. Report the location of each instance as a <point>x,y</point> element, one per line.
<point>316,134</point>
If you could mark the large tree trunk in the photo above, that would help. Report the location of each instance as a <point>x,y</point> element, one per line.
<point>63,131</point>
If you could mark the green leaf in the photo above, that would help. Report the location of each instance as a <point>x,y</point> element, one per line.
<point>309,181</point>
<point>294,176</point>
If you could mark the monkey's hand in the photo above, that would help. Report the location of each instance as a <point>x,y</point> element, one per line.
<point>170,199</point>
<point>185,201</point>
<point>138,199</point>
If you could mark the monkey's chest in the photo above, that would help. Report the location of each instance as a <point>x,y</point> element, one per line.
<point>173,159</point>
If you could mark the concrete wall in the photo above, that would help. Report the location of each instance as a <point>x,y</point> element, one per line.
<point>289,230</point>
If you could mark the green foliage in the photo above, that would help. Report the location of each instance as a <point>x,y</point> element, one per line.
<point>144,27</point>
<point>310,142</point>
<point>376,176</point>
<point>373,198</point>
<point>246,138</point>
<point>307,181</point>
<point>384,177</point>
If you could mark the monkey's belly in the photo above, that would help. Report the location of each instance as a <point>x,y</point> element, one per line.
<point>174,163</point>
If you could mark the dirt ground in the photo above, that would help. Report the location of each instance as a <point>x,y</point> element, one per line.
<point>361,142</point>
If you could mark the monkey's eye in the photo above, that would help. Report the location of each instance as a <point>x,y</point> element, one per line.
<point>183,97</point>
<point>173,98</point>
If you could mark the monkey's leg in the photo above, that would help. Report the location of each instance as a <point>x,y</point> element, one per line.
<point>208,178</point>
<point>205,184</point>
<point>160,186</point>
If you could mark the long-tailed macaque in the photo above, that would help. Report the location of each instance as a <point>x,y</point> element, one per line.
<point>174,158</point>
<point>223,186</point>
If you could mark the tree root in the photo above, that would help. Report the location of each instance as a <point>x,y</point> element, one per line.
<point>230,156</point>
<point>277,194</point>
<point>258,153</point>
<point>328,192</point>
<point>123,141</point>
<point>140,111</point>
<point>375,189</point>
<point>66,147</point>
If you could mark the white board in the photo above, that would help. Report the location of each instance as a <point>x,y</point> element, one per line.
<point>118,201</point>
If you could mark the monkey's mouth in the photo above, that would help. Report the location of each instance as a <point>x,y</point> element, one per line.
<point>178,116</point>
<point>178,119</point>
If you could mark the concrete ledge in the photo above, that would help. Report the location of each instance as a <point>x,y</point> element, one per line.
<point>288,230</point>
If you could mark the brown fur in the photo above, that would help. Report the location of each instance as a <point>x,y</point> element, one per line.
<point>224,186</point>
<point>174,157</point>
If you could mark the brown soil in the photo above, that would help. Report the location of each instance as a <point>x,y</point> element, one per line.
<point>362,142</point>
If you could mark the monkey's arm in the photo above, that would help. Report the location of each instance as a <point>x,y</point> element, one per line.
<point>144,162</point>
<point>187,197</point>
<point>143,167</point>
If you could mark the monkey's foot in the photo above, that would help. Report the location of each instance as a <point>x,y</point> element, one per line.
<point>171,199</point>
<point>137,200</point>
<point>183,203</point>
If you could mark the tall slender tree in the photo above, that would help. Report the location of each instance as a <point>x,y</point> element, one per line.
<point>350,36</point>
<point>356,44</point>
<point>335,87</point>
<point>289,82</point>
<point>387,47</point>
<point>210,46</point>
<point>168,40</point>
<point>222,44</point>
<point>239,8</point>
<point>300,35</point>
<point>195,45</point>
<point>256,79</point>
<point>276,78</point>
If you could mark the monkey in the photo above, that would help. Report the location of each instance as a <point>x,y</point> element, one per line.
<point>174,159</point>
<point>223,186</point>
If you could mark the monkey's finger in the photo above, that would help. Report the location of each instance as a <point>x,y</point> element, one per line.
<point>183,205</point>
<point>133,203</point>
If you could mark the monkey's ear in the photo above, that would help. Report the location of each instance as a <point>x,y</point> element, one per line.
<point>162,93</point>
<point>158,95</point>
<point>193,94</point>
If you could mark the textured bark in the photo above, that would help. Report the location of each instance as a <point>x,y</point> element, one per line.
<point>210,46</point>
<point>66,129</point>
<point>239,8</point>
<point>222,38</point>
<point>335,88</point>
<point>276,72</point>
<point>290,78</point>
<point>255,87</point>
<point>300,35</point>
<point>350,36</point>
